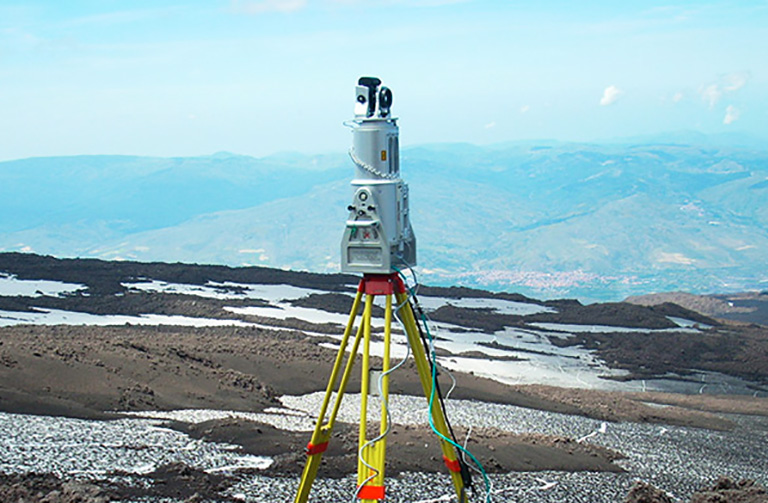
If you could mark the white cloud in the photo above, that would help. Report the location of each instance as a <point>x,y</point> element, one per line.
<point>727,83</point>
<point>610,95</point>
<point>262,6</point>
<point>711,94</point>
<point>677,97</point>
<point>735,81</point>
<point>406,3</point>
<point>524,109</point>
<point>434,3</point>
<point>490,125</point>
<point>732,114</point>
<point>123,16</point>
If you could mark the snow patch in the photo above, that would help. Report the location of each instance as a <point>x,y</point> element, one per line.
<point>500,306</point>
<point>59,317</point>
<point>225,290</point>
<point>603,329</point>
<point>11,286</point>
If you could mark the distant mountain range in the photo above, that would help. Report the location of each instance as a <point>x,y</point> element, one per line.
<point>594,221</point>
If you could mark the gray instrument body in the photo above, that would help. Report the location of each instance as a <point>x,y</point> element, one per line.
<point>378,238</point>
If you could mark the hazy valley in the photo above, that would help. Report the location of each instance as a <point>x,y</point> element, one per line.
<point>594,221</point>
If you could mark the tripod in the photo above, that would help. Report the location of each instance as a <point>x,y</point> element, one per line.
<point>370,466</point>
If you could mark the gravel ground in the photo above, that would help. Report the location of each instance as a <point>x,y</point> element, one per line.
<point>676,459</point>
<point>92,449</point>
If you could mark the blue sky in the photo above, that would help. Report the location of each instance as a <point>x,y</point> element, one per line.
<point>262,76</point>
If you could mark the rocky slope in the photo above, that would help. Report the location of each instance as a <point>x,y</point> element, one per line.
<point>98,340</point>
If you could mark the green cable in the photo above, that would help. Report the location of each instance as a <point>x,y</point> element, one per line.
<point>432,394</point>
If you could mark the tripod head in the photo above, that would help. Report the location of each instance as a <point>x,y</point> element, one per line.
<point>378,235</point>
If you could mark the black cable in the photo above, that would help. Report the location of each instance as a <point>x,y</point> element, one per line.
<point>466,475</point>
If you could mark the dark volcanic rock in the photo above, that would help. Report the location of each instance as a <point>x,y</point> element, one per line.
<point>726,490</point>
<point>462,292</point>
<point>182,482</point>
<point>409,448</point>
<point>483,319</point>
<point>333,303</point>
<point>105,277</point>
<point>619,314</point>
<point>735,350</point>
<point>642,492</point>
<point>739,352</point>
<point>47,488</point>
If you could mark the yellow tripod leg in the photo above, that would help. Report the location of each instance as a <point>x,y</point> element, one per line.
<point>425,375</point>
<point>370,475</point>
<point>322,433</point>
<point>381,446</point>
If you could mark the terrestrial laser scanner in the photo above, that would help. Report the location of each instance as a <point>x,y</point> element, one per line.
<point>378,241</point>
<point>378,237</point>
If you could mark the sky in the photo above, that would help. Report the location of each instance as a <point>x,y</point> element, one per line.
<point>257,77</point>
